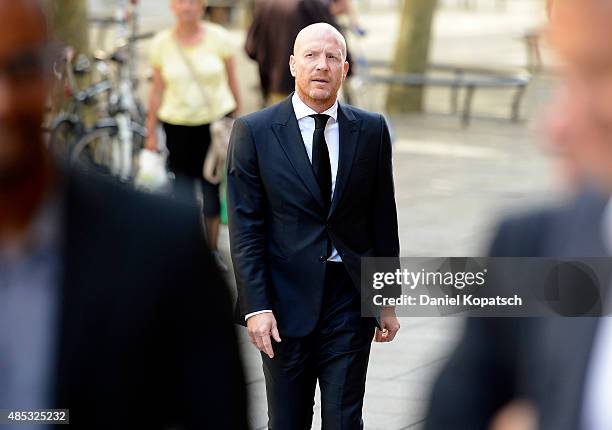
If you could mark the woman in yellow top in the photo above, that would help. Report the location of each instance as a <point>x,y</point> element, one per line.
<point>194,84</point>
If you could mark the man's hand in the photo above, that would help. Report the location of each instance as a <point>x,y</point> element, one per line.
<point>390,326</point>
<point>261,327</point>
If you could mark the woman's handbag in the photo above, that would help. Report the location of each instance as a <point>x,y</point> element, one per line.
<point>213,169</point>
<point>214,163</point>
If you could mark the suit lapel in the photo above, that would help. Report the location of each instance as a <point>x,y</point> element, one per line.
<point>585,238</point>
<point>348,127</point>
<point>570,340</point>
<point>569,346</point>
<point>289,137</point>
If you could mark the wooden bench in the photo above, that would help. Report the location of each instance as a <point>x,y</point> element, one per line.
<point>466,78</point>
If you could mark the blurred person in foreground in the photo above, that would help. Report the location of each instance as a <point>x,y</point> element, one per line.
<point>310,192</point>
<point>194,84</point>
<point>550,373</point>
<point>110,304</point>
<point>270,37</point>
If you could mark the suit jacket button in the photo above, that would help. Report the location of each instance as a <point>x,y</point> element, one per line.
<point>322,259</point>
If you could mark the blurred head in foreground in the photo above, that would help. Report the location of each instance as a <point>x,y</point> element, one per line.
<point>23,86</point>
<point>580,119</point>
<point>123,335</point>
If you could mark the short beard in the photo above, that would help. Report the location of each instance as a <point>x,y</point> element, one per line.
<point>319,99</point>
<point>26,162</point>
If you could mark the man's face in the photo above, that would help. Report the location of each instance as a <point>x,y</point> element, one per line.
<point>580,121</point>
<point>23,87</point>
<point>319,67</point>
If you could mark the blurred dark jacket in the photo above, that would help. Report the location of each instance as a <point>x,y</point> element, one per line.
<point>145,337</point>
<point>270,38</point>
<point>543,360</point>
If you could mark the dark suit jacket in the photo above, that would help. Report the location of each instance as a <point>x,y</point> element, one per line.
<point>270,38</point>
<point>278,227</point>
<point>145,337</point>
<point>541,359</point>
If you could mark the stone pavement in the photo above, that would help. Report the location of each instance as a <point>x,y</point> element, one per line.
<point>452,185</point>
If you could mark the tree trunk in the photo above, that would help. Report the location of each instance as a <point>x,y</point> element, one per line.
<point>68,22</point>
<point>68,25</point>
<point>412,54</point>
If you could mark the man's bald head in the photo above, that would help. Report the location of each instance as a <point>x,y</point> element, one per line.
<point>319,65</point>
<point>580,123</point>
<point>318,30</point>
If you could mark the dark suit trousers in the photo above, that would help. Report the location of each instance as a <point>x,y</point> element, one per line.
<point>336,353</point>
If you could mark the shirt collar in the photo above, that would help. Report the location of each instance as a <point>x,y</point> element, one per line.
<point>302,110</point>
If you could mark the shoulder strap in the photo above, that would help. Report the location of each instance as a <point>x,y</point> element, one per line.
<point>192,71</point>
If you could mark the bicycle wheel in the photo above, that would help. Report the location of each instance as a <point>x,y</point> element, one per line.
<point>100,151</point>
<point>65,132</point>
<point>94,151</point>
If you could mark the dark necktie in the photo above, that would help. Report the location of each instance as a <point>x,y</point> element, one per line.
<point>320,159</point>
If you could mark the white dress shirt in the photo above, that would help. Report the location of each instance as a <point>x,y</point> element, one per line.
<point>332,138</point>
<point>29,281</point>
<point>596,412</point>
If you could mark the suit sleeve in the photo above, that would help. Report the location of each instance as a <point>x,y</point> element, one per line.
<point>205,377</point>
<point>386,239</point>
<point>246,208</point>
<point>384,216</point>
<point>480,376</point>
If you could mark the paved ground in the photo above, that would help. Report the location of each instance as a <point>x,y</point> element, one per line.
<point>452,184</point>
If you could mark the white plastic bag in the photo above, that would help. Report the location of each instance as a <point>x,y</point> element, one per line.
<point>152,173</point>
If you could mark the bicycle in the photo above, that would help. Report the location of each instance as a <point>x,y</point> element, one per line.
<point>111,144</point>
<point>69,125</point>
<point>114,140</point>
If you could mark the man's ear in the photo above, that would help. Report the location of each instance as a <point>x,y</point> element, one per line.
<point>292,65</point>
<point>346,69</point>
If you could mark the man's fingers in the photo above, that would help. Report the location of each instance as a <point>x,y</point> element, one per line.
<point>382,335</point>
<point>267,345</point>
<point>261,327</point>
<point>259,343</point>
<point>276,334</point>
<point>253,336</point>
<point>393,331</point>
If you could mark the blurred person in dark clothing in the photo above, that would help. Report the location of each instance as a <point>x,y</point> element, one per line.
<point>275,25</point>
<point>558,369</point>
<point>345,7</point>
<point>110,304</point>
